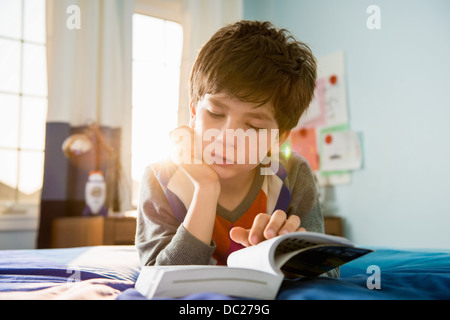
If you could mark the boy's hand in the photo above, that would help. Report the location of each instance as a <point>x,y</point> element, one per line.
<point>266,226</point>
<point>200,174</point>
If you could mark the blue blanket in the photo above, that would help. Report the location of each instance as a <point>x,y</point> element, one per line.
<point>33,270</point>
<point>403,274</point>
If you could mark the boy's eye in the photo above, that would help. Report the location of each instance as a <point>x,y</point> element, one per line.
<point>253,127</point>
<point>215,115</point>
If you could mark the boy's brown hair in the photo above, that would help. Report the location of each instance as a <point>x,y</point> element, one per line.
<point>254,62</point>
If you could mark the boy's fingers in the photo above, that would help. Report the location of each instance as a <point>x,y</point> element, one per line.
<point>292,224</point>
<point>258,227</point>
<point>262,226</point>
<point>277,221</point>
<point>240,235</point>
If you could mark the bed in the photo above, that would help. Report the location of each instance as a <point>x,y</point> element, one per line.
<point>109,272</point>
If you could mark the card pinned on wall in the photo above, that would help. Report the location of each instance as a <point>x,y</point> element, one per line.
<point>332,156</point>
<point>329,105</point>
<point>336,100</point>
<point>316,114</point>
<point>304,142</point>
<point>340,150</point>
<point>324,180</point>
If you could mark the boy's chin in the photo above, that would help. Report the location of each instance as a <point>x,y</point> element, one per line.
<point>231,171</point>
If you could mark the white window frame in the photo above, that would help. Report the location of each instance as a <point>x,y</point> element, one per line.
<point>19,220</point>
<point>163,9</point>
<point>18,209</point>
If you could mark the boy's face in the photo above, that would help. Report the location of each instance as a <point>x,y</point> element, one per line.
<point>231,133</point>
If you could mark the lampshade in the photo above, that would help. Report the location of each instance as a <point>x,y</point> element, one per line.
<point>89,150</point>
<point>77,144</point>
<point>91,140</point>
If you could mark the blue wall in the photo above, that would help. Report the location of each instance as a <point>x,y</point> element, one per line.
<point>398,81</point>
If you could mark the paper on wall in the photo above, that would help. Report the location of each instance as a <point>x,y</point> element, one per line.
<point>324,179</point>
<point>304,142</point>
<point>328,113</point>
<point>329,105</point>
<point>340,150</point>
<point>332,69</point>
<point>316,113</point>
<point>336,100</point>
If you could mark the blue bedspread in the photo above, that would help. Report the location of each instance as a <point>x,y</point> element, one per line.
<point>404,274</point>
<point>31,270</point>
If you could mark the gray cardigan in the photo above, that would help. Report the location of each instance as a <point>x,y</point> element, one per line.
<point>162,240</point>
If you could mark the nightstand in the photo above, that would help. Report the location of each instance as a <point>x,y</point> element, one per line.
<point>333,226</point>
<point>93,231</point>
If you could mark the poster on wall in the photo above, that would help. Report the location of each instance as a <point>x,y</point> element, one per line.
<point>316,114</point>
<point>329,105</point>
<point>340,150</point>
<point>304,142</point>
<point>331,68</point>
<point>323,136</point>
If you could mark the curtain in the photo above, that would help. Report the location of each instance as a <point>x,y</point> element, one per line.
<point>89,82</point>
<point>200,20</point>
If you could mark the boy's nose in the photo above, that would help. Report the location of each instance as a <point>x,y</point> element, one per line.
<point>221,138</point>
<point>229,125</point>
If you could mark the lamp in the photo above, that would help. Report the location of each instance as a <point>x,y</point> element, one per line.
<point>92,140</point>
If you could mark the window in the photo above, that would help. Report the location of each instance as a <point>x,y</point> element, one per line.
<point>23,100</point>
<point>157,49</point>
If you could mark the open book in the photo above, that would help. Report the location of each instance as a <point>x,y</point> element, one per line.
<point>253,272</point>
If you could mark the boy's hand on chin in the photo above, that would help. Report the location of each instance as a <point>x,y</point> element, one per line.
<point>266,226</point>
<point>201,174</point>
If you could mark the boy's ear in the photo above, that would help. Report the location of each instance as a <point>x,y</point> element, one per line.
<point>192,113</point>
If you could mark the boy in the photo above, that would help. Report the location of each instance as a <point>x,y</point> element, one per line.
<point>197,210</point>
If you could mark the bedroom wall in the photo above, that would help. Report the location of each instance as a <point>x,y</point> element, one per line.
<point>398,81</point>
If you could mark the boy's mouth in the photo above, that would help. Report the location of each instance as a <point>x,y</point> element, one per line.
<point>225,161</point>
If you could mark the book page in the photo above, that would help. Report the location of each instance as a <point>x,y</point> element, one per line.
<point>264,256</point>
<point>316,260</point>
<point>284,257</point>
<point>254,257</point>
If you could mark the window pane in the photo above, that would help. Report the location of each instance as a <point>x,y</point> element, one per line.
<point>174,43</point>
<point>8,174</point>
<point>157,50</point>
<point>148,38</point>
<point>170,88</point>
<point>34,70</point>
<point>151,141</point>
<point>10,18</point>
<point>157,85</point>
<point>144,85</point>
<point>30,175</point>
<point>33,116</point>
<point>9,65</point>
<point>34,21</point>
<point>9,120</point>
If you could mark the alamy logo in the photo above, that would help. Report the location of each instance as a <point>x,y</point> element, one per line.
<point>75,274</point>
<point>374,20</point>
<point>74,19</point>
<point>241,147</point>
<point>374,281</point>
